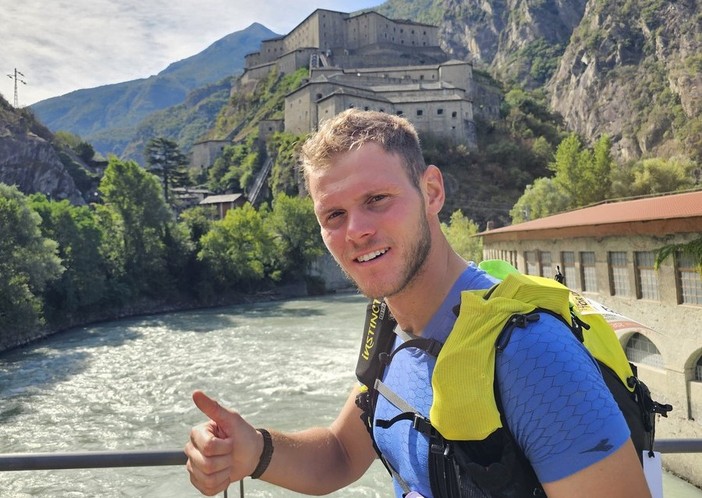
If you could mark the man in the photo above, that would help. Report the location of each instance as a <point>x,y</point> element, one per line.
<point>378,205</point>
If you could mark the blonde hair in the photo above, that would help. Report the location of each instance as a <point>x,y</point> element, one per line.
<point>353,128</point>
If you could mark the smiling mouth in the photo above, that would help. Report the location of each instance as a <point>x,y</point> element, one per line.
<point>371,256</point>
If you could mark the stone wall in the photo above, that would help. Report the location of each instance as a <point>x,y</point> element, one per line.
<point>203,154</point>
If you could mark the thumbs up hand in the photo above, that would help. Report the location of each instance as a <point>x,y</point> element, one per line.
<point>222,450</point>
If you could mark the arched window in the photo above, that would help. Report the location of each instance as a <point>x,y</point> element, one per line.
<point>698,370</point>
<point>639,349</point>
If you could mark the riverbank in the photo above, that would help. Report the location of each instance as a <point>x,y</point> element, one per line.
<point>10,340</point>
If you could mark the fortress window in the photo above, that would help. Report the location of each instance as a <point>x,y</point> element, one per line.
<point>698,370</point>
<point>318,96</point>
<point>454,114</point>
<point>366,108</point>
<point>420,112</point>
<point>439,111</point>
<point>399,113</point>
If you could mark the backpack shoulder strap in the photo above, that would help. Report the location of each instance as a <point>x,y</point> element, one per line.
<point>377,338</point>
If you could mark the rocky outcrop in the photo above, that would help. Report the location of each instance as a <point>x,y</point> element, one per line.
<point>630,69</point>
<point>518,40</point>
<point>29,160</point>
<point>30,163</point>
<point>635,73</point>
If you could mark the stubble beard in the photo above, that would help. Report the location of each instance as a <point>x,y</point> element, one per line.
<point>416,257</point>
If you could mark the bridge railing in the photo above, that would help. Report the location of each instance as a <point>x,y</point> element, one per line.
<point>155,458</point>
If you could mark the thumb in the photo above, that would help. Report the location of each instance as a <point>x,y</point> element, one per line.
<point>216,412</point>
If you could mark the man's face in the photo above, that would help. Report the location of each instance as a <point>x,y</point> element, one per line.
<point>372,219</point>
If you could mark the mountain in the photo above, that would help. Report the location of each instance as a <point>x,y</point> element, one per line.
<point>635,73</point>
<point>108,115</point>
<point>629,68</point>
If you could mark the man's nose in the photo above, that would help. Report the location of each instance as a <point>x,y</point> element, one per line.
<point>358,227</point>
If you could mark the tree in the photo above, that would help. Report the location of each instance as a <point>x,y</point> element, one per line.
<point>138,217</point>
<point>284,147</point>
<point>460,233</point>
<point>235,169</point>
<point>568,167</point>
<point>198,221</point>
<point>238,248</point>
<point>165,159</point>
<point>296,233</point>
<point>77,231</point>
<point>597,178</point>
<point>28,262</point>
<point>541,199</point>
<point>581,173</point>
<point>660,176</point>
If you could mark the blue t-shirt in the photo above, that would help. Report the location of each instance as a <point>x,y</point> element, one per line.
<point>554,399</point>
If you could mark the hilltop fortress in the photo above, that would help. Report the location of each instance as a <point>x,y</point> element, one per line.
<point>370,62</point>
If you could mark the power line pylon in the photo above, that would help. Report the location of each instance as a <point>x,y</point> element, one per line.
<point>18,79</point>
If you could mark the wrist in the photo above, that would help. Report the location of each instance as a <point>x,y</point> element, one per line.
<point>266,454</point>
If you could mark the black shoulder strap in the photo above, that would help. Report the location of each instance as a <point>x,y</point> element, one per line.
<point>377,338</point>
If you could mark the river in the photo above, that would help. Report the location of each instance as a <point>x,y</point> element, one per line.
<point>126,385</point>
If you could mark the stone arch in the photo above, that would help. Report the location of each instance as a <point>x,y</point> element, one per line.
<point>641,349</point>
<point>693,366</point>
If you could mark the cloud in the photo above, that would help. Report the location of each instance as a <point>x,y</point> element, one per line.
<point>64,46</point>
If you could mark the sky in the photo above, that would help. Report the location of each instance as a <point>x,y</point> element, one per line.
<point>65,45</point>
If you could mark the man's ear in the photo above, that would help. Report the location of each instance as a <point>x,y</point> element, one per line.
<point>433,189</point>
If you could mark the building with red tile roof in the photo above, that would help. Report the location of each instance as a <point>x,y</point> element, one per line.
<point>667,214</point>
<point>607,252</point>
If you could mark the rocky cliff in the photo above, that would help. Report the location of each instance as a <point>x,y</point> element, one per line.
<point>29,160</point>
<point>635,73</point>
<point>629,68</point>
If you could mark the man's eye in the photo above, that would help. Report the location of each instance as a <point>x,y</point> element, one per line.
<point>377,198</point>
<point>333,215</point>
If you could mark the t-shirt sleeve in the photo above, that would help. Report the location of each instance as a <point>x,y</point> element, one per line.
<point>555,401</point>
